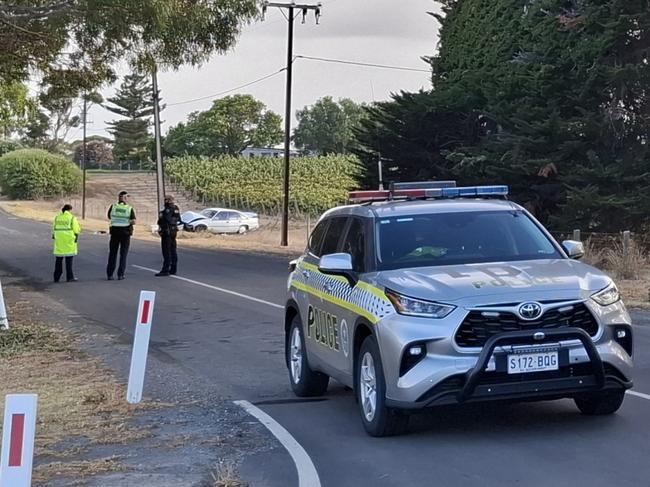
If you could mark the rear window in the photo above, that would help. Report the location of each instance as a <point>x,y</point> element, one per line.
<point>460,238</point>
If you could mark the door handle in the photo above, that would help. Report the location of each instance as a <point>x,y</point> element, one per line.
<point>327,287</point>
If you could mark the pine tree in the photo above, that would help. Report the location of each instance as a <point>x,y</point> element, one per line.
<point>133,101</point>
<point>560,90</point>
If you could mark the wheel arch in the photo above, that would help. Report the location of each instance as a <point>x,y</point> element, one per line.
<point>362,330</point>
<point>291,310</point>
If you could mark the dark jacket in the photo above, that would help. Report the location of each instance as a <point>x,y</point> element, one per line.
<point>168,219</point>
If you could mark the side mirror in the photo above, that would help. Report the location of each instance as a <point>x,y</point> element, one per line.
<point>574,249</point>
<point>338,265</point>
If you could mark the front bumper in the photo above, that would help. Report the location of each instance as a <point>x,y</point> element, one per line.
<point>449,375</point>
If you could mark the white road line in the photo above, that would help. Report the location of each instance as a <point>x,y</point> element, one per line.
<point>307,474</point>
<point>215,288</point>
<point>638,394</point>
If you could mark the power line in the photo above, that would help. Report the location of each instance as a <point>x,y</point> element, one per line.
<point>356,63</point>
<point>259,80</point>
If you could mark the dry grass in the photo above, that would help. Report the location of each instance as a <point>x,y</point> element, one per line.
<point>226,475</point>
<point>628,263</point>
<point>77,396</point>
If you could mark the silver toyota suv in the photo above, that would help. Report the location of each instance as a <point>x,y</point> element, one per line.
<point>429,294</point>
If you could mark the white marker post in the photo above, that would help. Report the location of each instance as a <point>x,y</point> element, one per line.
<point>4,322</point>
<point>18,440</point>
<point>140,346</point>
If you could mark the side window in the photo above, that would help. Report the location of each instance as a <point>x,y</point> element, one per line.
<point>333,235</point>
<point>355,244</point>
<point>316,238</point>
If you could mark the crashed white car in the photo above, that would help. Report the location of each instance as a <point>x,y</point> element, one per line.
<point>220,220</point>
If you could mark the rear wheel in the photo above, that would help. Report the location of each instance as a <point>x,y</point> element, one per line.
<point>377,418</point>
<point>601,403</point>
<point>304,381</point>
<point>243,229</point>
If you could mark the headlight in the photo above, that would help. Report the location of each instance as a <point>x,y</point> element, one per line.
<point>418,307</point>
<point>607,296</point>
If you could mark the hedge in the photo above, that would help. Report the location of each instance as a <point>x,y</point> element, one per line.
<point>35,174</point>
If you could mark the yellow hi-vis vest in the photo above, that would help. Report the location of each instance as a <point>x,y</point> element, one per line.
<point>121,215</point>
<point>65,231</point>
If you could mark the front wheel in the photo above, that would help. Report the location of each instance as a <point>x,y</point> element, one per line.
<point>304,381</point>
<point>377,418</point>
<point>601,403</point>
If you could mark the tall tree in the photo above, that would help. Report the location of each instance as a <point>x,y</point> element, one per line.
<point>327,127</point>
<point>77,42</point>
<point>231,125</point>
<point>562,104</point>
<point>17,109</point>
<point>134,102</point>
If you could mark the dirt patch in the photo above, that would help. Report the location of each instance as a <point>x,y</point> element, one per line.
<point>80,402</point>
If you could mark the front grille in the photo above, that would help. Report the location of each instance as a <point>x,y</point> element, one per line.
<point>476,328</point>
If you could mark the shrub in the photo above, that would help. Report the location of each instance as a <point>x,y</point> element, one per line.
<point>7,145</point>
<point>35,173</point>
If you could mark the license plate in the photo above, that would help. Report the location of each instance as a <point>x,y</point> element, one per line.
<point>523,363</point>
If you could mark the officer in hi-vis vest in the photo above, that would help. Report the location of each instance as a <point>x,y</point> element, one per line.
<point>122,217</point>
<point>65,233</point>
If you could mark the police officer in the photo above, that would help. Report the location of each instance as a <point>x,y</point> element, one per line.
<point>168,220</point>
<point>65,233</point>
<point>122,218</point>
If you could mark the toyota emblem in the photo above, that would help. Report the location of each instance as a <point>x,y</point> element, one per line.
<point>530,311</point>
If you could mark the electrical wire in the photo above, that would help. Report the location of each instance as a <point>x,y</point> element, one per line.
<point>259,80</point>
<point>356,63</point>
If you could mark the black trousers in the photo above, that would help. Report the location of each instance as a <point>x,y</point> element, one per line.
<point>119,241</point>
<point>170,257</point>
<point>58,268</point>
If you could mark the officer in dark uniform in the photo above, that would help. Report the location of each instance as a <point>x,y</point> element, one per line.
<point>168,220</point>
<point>122,217</point>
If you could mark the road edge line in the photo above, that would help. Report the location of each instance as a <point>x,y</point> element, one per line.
<point>638,394</point>
<point>215,288</point>
<point>307,474</point>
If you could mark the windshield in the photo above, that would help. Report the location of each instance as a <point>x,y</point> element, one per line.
<point>208,213</point>
<point>460,238</point>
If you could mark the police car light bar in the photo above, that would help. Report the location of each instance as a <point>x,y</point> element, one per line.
<point>444,192</point>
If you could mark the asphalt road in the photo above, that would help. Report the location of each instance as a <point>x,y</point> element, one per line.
<point>234,347</point>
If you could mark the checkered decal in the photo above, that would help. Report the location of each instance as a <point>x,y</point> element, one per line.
<point>359,296</point>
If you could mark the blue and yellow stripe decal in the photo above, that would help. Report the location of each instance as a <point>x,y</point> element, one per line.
<point>364,299</point>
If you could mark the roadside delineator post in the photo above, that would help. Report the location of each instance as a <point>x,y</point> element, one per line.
<point>140,346</point>
<point>18,432</point>
<point>4,321</point>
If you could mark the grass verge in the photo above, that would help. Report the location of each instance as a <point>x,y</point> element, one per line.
<point>80,403</point>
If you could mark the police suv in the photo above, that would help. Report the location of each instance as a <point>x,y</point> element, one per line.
<point>432,294</point>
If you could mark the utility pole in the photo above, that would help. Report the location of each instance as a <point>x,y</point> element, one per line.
<point>379,168</point>
<point>83,159</point>
<point>304,9</point>
<point>160,178</point>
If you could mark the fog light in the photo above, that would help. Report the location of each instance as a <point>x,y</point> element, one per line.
<point>623,336</point>
<point>411,356</point>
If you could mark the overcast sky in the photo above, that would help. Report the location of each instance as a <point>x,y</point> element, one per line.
<point>391,32</point>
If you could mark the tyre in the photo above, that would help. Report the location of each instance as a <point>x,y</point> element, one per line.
<point>378,419</point>
<point>243,229</point>
<point>200,228</point>
<point>601,403</point>
<point>304,381</point>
